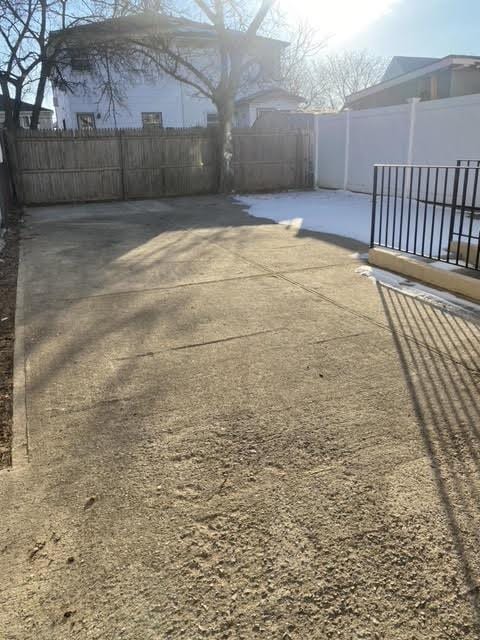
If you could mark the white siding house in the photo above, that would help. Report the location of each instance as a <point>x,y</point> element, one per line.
<point>45,120</point>
<point>164,101</point>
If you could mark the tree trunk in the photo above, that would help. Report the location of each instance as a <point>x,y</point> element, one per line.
<point>15,175</point>
<point>37,106</point>
<point>225,116</point>
<point>17,105</point>
<point>8,123</point>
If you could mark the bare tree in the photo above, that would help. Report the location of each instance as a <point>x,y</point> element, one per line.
<point>233,61</point>
<point>17,60</point>
<point>39,42</point>
<point>298,60</point>
<point>146,43</point>
<point>340,74</point>
<point>28,54</point>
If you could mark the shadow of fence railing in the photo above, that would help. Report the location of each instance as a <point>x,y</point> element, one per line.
<point>440,356</point>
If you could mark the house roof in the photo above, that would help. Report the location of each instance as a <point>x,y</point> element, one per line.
<point>145,21</point>
<point>24,106</point>
<point>271,92</point>
<point>404,64</point>
<point>438,65</point>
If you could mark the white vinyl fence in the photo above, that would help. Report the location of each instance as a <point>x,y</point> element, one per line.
<point>438,132</point>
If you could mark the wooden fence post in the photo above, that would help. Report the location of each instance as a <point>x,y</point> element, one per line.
<point>121,151</point>
<point>14,168</point>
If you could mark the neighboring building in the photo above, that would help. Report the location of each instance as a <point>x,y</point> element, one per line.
<point>275,100</point>
<point>286,120</point>
<point>45,121</point>
<point>425,78</point>
<point>163,101</point>
<point>399,65</point>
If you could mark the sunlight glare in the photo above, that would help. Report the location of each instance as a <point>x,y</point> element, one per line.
<point>338,19</point>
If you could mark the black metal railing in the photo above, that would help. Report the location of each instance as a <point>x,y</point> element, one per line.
<point>428,211</point>
<point>468,163</point>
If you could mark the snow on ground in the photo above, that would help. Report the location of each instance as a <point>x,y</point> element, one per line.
<point>348,214</point>
<point>339,212</point>
<point>400,283</point>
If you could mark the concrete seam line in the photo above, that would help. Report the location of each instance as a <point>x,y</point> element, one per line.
<point>266,274</point>
<point>382,325</point>
<point>325,298</point>
<point>20,436</point>
<point>155,289</point>
<point>227,339</point>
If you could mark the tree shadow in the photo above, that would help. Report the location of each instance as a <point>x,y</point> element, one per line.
<point>125,417</point>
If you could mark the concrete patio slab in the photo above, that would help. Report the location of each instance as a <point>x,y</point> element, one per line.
<point>234,435</point>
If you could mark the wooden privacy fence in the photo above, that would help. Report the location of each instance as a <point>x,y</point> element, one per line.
<point>105,164</point>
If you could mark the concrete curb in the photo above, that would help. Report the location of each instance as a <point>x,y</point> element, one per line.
<point>418,269</point>
<point>20,448</point>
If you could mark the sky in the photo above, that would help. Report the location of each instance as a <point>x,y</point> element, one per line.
<point>433,28</point>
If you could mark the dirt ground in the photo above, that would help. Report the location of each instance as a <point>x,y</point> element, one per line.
<point>8,290</point>
<point>234,435</point>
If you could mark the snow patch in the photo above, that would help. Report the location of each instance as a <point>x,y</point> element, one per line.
<point>340,213</point>
<point>348,214</point>
<point>416,290</point>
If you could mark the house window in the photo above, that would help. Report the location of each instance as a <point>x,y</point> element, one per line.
<point>25,122</point>
<point>79,61</point>
<point>152,119</point>
<point>86,120</point>
<point>212,119</point>
<point>269,66</point>
<point>265,110</point>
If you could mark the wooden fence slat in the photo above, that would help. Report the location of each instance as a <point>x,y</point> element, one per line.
<point>109,164</point>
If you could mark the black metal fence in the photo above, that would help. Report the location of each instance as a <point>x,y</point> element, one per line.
<point>428,211</point>
<point>468,163</point>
